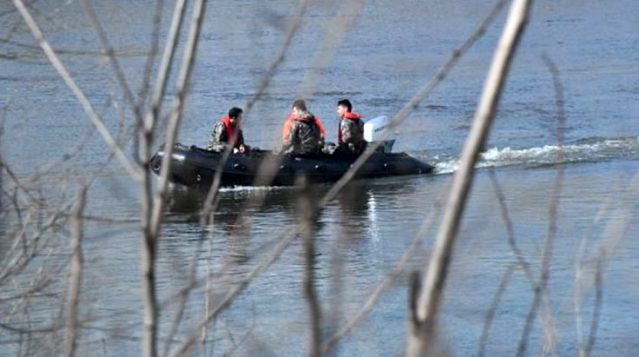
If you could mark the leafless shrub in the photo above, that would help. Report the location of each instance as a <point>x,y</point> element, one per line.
<point>37,219</point>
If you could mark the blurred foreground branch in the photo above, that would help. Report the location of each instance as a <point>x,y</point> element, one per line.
<point>427,294</point>
<point>75,276</point>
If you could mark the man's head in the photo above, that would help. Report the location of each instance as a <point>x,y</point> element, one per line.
<point>299,106</point>
<point>344,106</point>
<point>235,115</point>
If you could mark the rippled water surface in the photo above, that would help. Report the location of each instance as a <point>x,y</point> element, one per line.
<point>392,49</point>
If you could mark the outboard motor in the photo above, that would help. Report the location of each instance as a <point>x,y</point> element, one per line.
<point>374,130</point>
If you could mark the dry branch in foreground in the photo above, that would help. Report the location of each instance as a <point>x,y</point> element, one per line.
<point>428,295</point>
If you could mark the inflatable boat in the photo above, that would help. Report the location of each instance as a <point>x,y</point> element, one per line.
<point>194,166</point>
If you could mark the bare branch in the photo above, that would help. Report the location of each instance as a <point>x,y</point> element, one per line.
<point>431,288</point>
<point>594,323</point>
<point>75,278</point>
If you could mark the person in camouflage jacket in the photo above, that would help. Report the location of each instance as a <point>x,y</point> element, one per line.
<point>350,134</point>
<point>303,133</point>
<point>227,129</point>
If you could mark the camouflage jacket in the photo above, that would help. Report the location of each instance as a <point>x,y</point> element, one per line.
<point>351,134</point>
<point>219,138</point>
<point>304,137</point>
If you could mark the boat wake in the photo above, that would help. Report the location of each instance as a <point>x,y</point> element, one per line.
<point>240,188</point>
<point>586,150</point>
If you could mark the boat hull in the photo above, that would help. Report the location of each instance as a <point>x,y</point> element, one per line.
<point>193,166</point>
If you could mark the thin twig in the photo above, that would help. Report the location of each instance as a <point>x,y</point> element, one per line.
<point>553,211</point>
<point>505,216</point>
<point>490,314</point>
<point>596,313</point>
<point>307,218</point>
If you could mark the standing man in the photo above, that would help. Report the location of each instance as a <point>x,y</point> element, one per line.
<point>350,134</point>
<point>227,132</point>
<point>303,133</point>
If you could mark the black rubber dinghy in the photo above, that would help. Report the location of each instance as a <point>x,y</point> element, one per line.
<point>194,166</point>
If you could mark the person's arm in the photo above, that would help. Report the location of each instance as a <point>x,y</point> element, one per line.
<point>218,138</point>
<point>242,148</point>
<point>320,126</point>
<point>346,130</point>
<point>240,138</point>
<point>286,128</point>
<point>289,141</point>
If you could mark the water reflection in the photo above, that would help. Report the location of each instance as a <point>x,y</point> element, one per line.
<point>357,203</point>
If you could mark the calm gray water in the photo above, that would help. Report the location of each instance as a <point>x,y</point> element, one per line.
<point>393,48</point>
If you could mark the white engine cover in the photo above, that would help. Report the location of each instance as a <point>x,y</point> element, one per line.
<point>374,128</point>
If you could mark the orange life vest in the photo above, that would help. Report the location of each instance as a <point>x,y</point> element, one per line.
<point>229,131</point>
<point>286,129</point>
<point>347,115</point>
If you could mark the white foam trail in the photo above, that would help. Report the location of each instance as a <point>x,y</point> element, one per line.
<point>252,188</point>
<point>548,154</point>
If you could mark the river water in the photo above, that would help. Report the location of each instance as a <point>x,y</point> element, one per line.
<point>389,52</point>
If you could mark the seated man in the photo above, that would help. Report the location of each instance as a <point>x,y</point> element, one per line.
<point>350,134</point>
<point>227,132</point>
<point>302,133</point>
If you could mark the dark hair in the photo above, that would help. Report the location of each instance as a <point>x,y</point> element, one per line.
<point>235,112</point>
<point>346,103</point>
<point>299,104</point>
